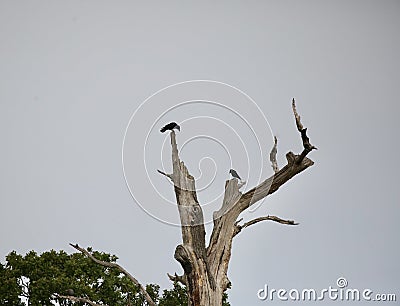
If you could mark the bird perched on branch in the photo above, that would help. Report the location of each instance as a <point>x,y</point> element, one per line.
<point>170,126</point>
<point>234,174</point>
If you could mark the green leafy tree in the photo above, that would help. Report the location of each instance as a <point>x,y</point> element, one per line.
<point>41,279</point>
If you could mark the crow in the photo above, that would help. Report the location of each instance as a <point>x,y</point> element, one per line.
<point>170,126</point>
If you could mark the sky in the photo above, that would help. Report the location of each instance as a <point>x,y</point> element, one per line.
<point>86,85</point>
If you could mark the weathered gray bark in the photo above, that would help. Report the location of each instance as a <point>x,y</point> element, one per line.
<point>205,268</point>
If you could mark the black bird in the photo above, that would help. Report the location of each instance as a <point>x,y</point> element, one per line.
<point>70,292</point>
<point>170,126</point>
<point>234,174</point>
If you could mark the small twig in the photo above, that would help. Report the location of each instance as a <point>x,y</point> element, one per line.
<point>122,270</point>
<point>78,299</point>
<point>238,221</point>
<point>238,227</point>
<point>308,147</point>
<point>166,174</point>
<point>272,155</point>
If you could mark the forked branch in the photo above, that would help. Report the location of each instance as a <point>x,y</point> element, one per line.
<point>295,165</point>
<point>178,278</point>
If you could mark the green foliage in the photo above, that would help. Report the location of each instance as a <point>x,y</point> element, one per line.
<point>225,300</point>
<point>174,296</point>
<point>38,277</point>
<point>9,288</point>
<point>177,296</point>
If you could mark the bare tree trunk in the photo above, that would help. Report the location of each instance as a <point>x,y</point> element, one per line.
<point>192,253</point>
<point>205,268</point>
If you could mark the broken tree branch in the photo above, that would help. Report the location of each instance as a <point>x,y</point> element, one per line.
<point>78,299</point>
<point>272,156</point>
<point>234,203</point>
<point>296,164</point>
<point>147,297</point>
<point>308,147</point>
<point>274,182</point>
<point>178,278</point>
<point>256,220</point>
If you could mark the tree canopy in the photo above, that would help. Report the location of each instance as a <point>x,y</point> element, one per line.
<point>41,279</point>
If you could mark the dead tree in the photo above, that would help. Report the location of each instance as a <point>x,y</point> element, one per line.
<point>205,267</point>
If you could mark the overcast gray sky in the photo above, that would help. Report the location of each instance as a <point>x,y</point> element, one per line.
<point>72,74</point>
